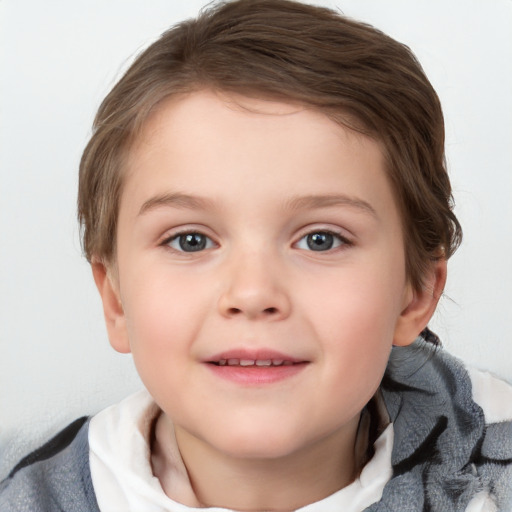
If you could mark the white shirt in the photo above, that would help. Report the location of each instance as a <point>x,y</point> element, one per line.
<point>123,480</point>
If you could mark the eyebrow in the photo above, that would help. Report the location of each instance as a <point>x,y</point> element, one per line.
<point>176,200</point>
<point>325,201</point>
<point>186,201</point>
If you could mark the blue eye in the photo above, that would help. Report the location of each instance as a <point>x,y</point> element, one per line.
<point>190,242</point>
<point>321,241</point>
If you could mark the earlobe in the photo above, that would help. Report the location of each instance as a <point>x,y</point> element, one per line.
<point>420,305</point>
<point>112,307</point>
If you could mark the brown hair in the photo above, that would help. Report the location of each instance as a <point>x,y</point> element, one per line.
<point>287,50</point>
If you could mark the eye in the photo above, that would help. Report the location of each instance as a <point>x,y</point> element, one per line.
<point>190,242</point>
<point>321,241</point>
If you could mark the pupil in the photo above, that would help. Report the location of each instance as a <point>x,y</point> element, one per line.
<point>192,242</point>
<point>320,241</point>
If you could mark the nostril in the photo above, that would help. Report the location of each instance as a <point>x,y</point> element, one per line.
<point>253,312</point>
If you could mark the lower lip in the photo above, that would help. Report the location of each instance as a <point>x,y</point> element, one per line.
<point>256,375</point>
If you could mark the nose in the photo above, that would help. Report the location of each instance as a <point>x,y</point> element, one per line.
<point>254,288</point>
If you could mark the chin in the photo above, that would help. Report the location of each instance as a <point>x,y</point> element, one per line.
<point>263,441</point>
<point>253,450</point>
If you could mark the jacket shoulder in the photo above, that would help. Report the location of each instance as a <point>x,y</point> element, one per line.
<point>54,477</point>
<point>453,433</point>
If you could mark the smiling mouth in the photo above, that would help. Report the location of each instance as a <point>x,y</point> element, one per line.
<point>246,372</point>
<point>255,367</point>
<point>254,363</point>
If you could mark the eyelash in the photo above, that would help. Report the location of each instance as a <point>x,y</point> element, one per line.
<point>338,240</point>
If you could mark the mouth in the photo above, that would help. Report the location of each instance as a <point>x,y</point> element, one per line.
<point>255,367</point>
<point>260,358</point>
<point>256,363</point>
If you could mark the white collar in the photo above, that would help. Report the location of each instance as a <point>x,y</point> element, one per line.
<point>123,480</point>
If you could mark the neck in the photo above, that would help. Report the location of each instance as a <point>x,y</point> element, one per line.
<point>249,484</point>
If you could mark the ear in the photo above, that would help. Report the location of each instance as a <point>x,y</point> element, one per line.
<point>112,307</point>
<point>419,306</point>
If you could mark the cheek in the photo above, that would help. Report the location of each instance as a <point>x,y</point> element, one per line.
<point>163,318</point>
<point>355,317</point>
<point>163,314</point>
<point>361,299</point>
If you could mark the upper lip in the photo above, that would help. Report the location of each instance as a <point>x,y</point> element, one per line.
<point>261,354</point>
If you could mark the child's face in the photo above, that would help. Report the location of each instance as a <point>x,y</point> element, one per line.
<point>262,231</point>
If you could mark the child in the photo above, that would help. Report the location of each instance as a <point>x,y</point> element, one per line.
<point>268,217</point>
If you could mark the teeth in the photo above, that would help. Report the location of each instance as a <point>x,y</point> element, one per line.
<point>254,362</point>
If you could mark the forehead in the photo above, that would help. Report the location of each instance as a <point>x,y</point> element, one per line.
<point>195,117</point>
<point>216,144</point>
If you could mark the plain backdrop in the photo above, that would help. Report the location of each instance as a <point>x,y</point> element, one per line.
<point>58,60</point>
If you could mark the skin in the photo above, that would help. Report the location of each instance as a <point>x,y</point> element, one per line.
<point>256,177</point>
